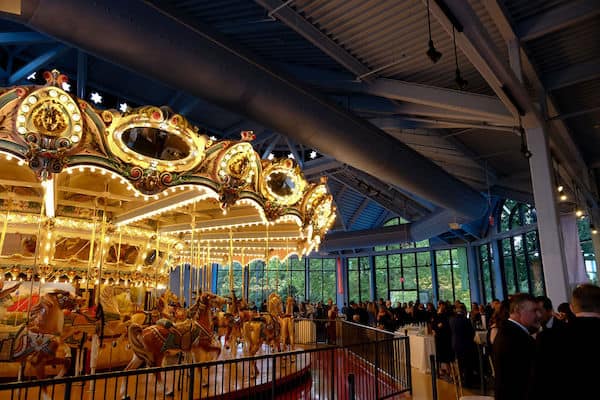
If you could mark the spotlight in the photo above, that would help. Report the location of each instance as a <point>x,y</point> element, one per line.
<point>579,213</point>
<point>560,188</point>
<point>563,197</point>
<point>432,53</point>
<point>593,229</point>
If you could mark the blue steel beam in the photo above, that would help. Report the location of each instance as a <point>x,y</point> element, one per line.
<point>23,38</point>
<point>37,63</point>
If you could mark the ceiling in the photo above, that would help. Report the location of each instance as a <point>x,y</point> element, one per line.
<point>350,80</point>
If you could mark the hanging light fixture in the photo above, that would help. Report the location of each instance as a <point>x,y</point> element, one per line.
<point>524,149</point>
<point>460,82</point>
<point>432,52</point>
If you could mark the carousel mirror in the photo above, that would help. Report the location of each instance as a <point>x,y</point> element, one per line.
<point>281,184</point>
<point>155,143</point>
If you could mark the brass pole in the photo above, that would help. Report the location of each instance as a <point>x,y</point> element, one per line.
<point>101,261</point>
<point>35,257</point>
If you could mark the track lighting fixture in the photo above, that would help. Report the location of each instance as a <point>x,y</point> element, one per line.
<point>560,188</point>
<point>460,82</point>
<point>593,229</point>
<point>432,52</point>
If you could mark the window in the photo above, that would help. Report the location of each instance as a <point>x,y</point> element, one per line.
<point>322,279</point>
<point>521,259</point>
<point>486,262</point>
<point>587,247</point>
<point>453,275</point>
<point>223,274</point>
<point>359,279</point>
<point>405,245</point>
<point>406,275</point>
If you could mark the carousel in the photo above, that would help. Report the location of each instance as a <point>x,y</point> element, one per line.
<point>97,207</point>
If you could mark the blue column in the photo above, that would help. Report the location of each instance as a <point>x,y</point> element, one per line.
<point>498,278</point>
<point>214,271</point>
<point>186,284</point>
<point>474,274</point>
<point>372,291</point>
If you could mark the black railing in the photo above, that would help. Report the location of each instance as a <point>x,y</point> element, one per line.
<point>379,367</point>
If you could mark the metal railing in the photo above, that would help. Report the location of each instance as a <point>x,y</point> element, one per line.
<point>366,363</point>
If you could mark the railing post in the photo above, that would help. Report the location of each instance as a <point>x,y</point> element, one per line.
<point>480,351</point>
<point>351,388</point>
<point>376,375</point>
<point>433,377</point>
<point>191,383</point>
<point>332,392</point>
<point>407,361</point>
<point>68,385</point>
<point>273,377</point>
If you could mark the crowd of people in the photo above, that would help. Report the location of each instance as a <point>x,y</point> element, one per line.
<point>538,353</point>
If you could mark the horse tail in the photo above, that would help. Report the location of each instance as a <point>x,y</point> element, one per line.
<point>134,332</point>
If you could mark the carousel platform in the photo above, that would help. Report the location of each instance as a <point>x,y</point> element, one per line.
<point>227,380</point>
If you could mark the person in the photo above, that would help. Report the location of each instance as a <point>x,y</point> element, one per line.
<point>579,347</point>
<point>385,320</point>
<point>464,346</point>
<point>514,349</point>
<point>331,324</point>
<point>499,316</point>
<point>440,325</point>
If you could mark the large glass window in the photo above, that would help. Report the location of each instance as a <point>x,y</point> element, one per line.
<point>403,276</point>
<point>587,247</point>
<point>521,259</point>
<point>322,276</point>
<point>223,273</point>
<point>359,279</point>
<point>486,262</point>
<point>404,245</point>
<point>453,275</point>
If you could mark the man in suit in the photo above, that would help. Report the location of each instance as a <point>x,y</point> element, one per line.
<point>514,349</point>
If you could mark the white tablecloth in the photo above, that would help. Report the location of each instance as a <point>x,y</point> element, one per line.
<point>421,347</point>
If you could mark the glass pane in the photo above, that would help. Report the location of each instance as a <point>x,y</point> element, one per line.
<point>298,285</point>
<point>395,279</point>
<point>422,243</point>
<point>380,262</point>
<point>408,260</point>
<point>521,266</point>
<point>423,258</point>
<point>316,285</point>
<point>509,273</point>
<point>353,263</point>
<point>461,275</point>
<point>425,282</point>
<point>315,264</point>
<point>381,280</point>
<point>329,287</point>
<point>410,277</point>
<point>442,257</point>
<point>365,284</point>
<point>445,282</point>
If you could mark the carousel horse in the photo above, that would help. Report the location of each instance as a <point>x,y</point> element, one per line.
<point>287,326</point>
<point>40,342</point>
<point>193,337</point>
<point>265,328</point>
<point>229,323</point>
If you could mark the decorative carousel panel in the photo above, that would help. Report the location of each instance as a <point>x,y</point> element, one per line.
<point>153,137</point>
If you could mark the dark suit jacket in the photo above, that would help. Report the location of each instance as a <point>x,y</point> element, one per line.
<point>563,361</point>
<point>513,354</point>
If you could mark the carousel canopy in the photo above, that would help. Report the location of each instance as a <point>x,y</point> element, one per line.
<point>137,190</point>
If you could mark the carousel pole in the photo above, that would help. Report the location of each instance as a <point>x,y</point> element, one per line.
<point>101,261</point>
<point>35,259</point>
<point>157,264</point>
<point>207,272</point>
<point>91,254</point>
<point>231,288</point>
<point>198,267</point>
<point>267,257</point>
<point>192,259</point>
<point>243,295</point>
<point>119,251</point>
<point>4,226</point>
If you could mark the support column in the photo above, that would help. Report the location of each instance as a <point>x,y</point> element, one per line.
<point>474,274</point>
<point>551,241</point>
<point>434,278</point>
<point>497,276</point>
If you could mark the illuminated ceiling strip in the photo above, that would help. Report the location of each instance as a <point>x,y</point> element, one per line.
<point>163,205</point>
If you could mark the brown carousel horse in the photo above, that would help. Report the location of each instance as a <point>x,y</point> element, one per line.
<point>40,342</point>
<point>193,337</point>
<point>265,328</point>
<point>229,323</point>
<point>287,326</point>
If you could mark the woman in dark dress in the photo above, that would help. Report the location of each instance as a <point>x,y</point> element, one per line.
<point>440,325</point>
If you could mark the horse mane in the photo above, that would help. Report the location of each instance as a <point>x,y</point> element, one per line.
<point>108,300</point>
<point>274,304</point>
